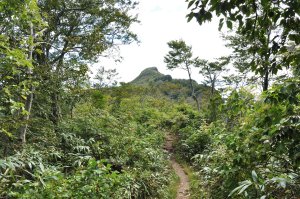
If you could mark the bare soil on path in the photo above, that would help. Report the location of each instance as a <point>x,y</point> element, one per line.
<point>183,188</point>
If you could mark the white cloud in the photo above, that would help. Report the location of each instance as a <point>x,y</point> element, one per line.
<point>162,21</point>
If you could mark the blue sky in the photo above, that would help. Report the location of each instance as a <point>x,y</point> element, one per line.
<point>162,21</point>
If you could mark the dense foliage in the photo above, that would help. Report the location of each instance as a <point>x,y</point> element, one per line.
<point>64,137</point>
<point>59,137</point>
<point>251,149</point>
<point>111,147</point>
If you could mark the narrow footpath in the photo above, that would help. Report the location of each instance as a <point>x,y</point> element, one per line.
<point>183,188</point>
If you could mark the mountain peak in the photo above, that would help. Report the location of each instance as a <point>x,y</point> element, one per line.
<point>149,75</point>
<point>151,69</point>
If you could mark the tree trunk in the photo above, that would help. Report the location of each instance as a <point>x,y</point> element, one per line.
<point>193,89</point>
<point>266,64</point>
<point>213,82</point>
<point>55,108</point>
<point>29,99</point>
<point>28,105</point>
<point>266,80</point>
<point>213,104</point>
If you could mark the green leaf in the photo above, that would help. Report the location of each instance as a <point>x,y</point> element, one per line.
<point>190,17</point>
<point>214,2</point>
<point>254,176</point>
<point>244,185</point>
<point>229,24</point>
<point>243,188</point>
<point>221,23</point>
<point>8,134</point>
<point>42,167</point>
<point>264,3</point>
<point>191,3</point>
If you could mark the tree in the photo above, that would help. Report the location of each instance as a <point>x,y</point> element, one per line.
<point>21,26</point>
<point>181,56</point>
<point>79,32</point>
<point>255,56</point>
<point>105,78</point>
<point>46,47</point>
<point>294,55</point>
<point>211,71</point>
<point>242,60</point>
<point>266,26</point>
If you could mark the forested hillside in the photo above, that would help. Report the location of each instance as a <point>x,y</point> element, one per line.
<point>236,132</point>
<point>175,89</point>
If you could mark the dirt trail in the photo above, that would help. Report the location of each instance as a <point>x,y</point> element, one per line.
<point>183,188</point>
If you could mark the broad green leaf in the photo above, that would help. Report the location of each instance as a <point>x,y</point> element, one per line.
<point>244,185</point>
<point>244,188</point>
<point>254,176</point>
